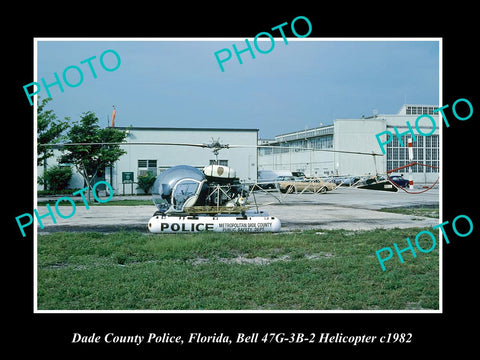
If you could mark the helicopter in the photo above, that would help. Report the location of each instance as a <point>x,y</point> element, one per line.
<point>213,199</point>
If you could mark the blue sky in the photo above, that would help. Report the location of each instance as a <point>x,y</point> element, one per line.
<point>297,85</point>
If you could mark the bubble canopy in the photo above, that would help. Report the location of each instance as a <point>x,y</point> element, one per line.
<point>177,187</point>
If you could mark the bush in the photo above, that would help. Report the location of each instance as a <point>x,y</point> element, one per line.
<point>56,178</point>
<point>145,182</point>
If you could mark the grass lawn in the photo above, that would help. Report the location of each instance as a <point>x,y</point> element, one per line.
<point>431,211</point>
<point>307,270</point>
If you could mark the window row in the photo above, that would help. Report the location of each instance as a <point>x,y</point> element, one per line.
<point>418,154</point>
<point>420,110</point>
<point>421,141</point>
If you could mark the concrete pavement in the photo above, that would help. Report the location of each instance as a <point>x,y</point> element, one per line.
<point>343,208</point>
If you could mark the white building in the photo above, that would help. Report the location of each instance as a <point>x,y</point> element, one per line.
<point>359,135</point>
<point>155,158</point>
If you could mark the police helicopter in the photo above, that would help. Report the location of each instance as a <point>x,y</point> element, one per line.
<point>213,199</point>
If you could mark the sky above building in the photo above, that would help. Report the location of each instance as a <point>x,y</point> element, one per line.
<point>176,83</point>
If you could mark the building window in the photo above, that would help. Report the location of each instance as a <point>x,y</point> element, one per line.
<point>425,151</point>
<point>145,166</point>
<point>394,142</point>
<point>419,110</point>
<point>428,142</point>
<point>420,140</point>
<point>220,162</point>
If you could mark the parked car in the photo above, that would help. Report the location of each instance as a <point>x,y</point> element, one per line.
<point>285,178</point>
<point>313,185</point>
<point>346,181</point>
<point>399,180</point>
<point>267,178</point>
<point>298,174</point>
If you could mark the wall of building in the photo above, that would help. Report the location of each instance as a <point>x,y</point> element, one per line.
<point>289,152</point>
<point>358,135</point>
<point>159,158</point>
<point>311,162</point>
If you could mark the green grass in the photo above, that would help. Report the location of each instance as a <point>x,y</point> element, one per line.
<point>431,211</point>
<point>287,271</point>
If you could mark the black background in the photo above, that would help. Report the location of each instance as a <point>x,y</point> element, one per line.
<point>51,334</point>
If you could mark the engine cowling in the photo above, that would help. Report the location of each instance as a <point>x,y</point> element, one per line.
<point>220,172</point>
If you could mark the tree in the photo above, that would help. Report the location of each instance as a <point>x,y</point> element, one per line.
<point>49,130</point>
<point>91,160</point>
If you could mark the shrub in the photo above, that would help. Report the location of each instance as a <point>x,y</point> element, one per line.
<point>145,182</point>
<point>56,178</point>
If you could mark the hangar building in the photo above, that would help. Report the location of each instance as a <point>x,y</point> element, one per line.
<point>358,135</point>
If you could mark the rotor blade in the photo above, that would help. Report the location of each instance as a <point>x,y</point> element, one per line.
<point>306,148</point>
<point>214,145</point>
<point>126,143</point>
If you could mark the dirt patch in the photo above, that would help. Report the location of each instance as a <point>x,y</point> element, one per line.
<point>244,259</point>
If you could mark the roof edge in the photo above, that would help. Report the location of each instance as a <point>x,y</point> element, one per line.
<point>181,128</point>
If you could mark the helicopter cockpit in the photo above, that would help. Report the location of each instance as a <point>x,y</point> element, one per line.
<point>178,187</point>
